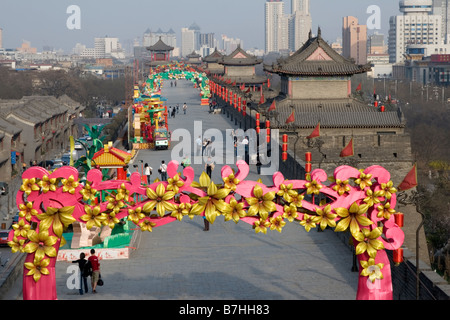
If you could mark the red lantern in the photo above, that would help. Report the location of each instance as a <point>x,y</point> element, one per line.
<point>308,156</point>
<point>284,147</point>
<point>258,130</point>
<point>267,124</point>
<point>257,116</point>
<point>398,256</point>
<point>308,167</point>
<point>399,219</point>
<point>284,156</point>
<point>268,135</point>
<point>382,108</point>
<point>258,124</point>
<point>285,138</point>
<point>375,104</point>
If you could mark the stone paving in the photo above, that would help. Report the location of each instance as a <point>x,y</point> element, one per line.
<point>180,261</point>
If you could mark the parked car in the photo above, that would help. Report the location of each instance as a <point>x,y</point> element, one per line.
<point>4,238</point>
<point>66,158</point>
<point>4,188</point>
<point>46,163</point>
<point>78,146</point>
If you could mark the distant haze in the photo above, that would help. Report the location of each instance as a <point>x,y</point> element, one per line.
<point>43,23</point>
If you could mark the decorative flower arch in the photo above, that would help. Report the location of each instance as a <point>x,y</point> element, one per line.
<point>360,201</point>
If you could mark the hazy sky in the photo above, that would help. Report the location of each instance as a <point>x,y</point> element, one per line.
<point>43,22</point>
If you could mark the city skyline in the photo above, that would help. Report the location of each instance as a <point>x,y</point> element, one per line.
<point>45,24</point>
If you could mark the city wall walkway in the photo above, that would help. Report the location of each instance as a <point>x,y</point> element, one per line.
<point>180,261</point>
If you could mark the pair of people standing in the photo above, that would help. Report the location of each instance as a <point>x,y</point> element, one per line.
<point>89,267</point>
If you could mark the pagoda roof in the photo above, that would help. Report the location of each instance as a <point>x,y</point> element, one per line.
<point>160,46</point>
<point>316,58</point>
<point>334,113</point>
<point>239,57</point>
<point>213,57</point>
<point>193,54</point>
<point>111,157</point>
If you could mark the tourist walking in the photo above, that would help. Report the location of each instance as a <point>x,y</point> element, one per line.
<point>170,112</point>
<point>209,166</point>
<point>173,113</point>
<point>184,107</point>
<point>178,108</point>
<point>163,171</point>
<point>84,272</point>
<point>95,265</point>
<point>148,172</point>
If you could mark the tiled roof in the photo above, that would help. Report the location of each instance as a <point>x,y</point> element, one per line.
<point>316,58</point>
<point>160,46</point>
<point>239,57</point>
<point>345,113</point>
<point>213,57</point>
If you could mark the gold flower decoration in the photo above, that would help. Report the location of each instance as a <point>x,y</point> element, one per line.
<point>47,184</point>
<point>26,211</point>
<point>115,203</point>
<point>325,218</point>
<point>261,204</point>
<point>353,217</point>
<point>37,268</point>
<point>231,182</point>
<point>41,244</point>
<point>29,185</point>
<point>313,187</point>
<point>296,200</point>
<point>341,187</point>
<point>135,215</point>
<point>122,193</point>
<point>364,180</point>
<point>16,245</point>
<point>368,241</point>
<point>175,183</point>
<point>159,199</point>
<point>147,225</point>
<point>213,203</point>
<point>290,212</point>
<point>372,197</point>
<point>308,222</point>
<point>286,191</point>
<point>385,211</point>
<point>93,216</point>
<point>372,270</point>
<point>88,193</point>
<point>21,229</point>
<point>261,225</point>
<point>110,220</point>
<point>69,185</point>
<point>277,223</point>
<point>387,190</point>
<point>57,218</point>
<point>235,211</point>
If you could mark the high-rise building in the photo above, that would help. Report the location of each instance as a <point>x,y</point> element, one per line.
<point>354,40</point>
<point>442,8</point>
<point>1,38</point>
<point>274,10</point>
<point>190,39</point>
<point>108,48</point>
<point>416,26</point>
<point>301,23</point>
